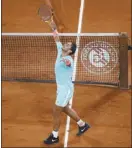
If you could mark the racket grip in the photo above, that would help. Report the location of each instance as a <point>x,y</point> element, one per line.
<point>53,25</point>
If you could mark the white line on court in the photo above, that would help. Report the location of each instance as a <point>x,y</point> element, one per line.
<point>74,70</point>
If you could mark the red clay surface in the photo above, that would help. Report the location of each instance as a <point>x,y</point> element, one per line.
<point>27,107</point>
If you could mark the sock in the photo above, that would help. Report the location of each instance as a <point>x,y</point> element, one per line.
<point>55,134</point>
<point>81,123</point>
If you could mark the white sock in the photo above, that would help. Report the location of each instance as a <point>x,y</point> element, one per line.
<point>55,134</point>
<point>81,123</point>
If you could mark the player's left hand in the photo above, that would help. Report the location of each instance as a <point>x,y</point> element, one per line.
<point>67,62</point>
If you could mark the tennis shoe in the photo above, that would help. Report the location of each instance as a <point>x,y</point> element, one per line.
<point>51,139</point>
<point>83,129</point>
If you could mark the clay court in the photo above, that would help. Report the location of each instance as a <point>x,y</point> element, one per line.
<point>27,106</point>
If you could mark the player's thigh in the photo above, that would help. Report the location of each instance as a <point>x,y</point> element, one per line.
<point>64,96</point>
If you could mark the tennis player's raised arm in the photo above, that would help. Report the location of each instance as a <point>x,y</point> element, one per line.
<point>55,32</point>
<point>56,37</point>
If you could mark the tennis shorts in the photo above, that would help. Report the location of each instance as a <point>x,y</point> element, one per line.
<point>64,94</point>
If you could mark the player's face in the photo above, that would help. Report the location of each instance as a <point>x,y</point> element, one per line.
<point>67,46</point>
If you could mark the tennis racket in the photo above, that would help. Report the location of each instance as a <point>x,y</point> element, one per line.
<point>46,13</point>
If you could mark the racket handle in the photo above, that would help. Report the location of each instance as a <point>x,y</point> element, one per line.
<point>52,25</point>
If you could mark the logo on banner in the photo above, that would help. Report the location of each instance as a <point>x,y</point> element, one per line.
<point>99,57</point>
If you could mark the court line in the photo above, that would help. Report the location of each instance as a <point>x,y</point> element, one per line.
<point>74,69</point>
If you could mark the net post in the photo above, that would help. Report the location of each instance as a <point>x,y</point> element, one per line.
<point>123,59</point>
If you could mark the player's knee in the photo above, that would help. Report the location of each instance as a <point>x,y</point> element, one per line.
<point>66,108</point>
<point>57,110</point>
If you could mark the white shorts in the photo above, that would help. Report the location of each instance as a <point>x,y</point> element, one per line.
<point>64,94</point>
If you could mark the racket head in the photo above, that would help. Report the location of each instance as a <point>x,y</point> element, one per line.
<point>45,12</point>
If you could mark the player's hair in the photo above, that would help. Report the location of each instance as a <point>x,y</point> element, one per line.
<point>73,48</point>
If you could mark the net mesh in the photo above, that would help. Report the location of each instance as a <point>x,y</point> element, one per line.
<point>32,58</point>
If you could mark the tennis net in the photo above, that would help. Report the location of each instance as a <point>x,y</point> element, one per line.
<point>31,57</point>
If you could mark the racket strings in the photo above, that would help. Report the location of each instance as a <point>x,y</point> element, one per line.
<point>46,13</point>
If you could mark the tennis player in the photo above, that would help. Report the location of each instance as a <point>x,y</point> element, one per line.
<point>65,88</point>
